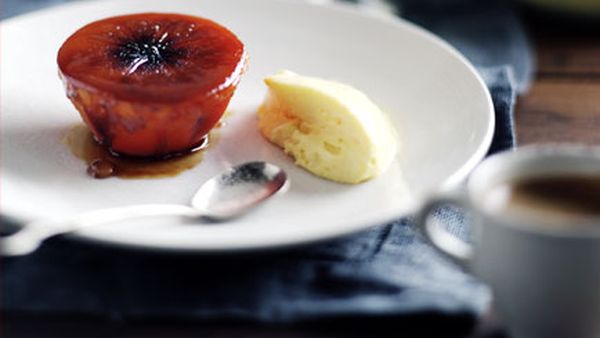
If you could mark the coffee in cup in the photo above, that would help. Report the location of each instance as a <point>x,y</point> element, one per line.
<point>559,199</point>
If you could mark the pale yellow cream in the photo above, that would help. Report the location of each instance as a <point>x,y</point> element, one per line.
<point>331,129</point>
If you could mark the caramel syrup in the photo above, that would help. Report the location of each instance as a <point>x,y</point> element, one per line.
<point>103,164</point>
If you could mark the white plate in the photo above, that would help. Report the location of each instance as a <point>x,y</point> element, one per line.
<point>440,106</point>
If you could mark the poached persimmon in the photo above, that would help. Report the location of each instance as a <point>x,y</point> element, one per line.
<point>151,84</point>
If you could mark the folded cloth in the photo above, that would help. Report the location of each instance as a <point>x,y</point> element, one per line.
<point>385,271</point>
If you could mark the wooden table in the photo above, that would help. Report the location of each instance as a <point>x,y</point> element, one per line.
<point>563,105</point>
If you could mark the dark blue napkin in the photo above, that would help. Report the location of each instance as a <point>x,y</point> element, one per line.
<point>386,271</point>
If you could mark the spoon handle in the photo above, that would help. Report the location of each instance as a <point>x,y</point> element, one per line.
<point>31,235</point>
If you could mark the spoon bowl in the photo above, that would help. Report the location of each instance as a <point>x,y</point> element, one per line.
<point>238,190</point>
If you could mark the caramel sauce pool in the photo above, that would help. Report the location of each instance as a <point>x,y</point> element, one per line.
<point>103,164</point>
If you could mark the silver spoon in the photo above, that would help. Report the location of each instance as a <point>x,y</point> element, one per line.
<point>225,196</point>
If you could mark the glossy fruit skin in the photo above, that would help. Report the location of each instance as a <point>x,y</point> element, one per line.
<point>138,106</point>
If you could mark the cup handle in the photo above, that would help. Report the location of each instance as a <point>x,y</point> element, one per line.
<point>451,246</point>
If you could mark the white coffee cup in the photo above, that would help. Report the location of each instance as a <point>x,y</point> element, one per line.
<point>545,278</point>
